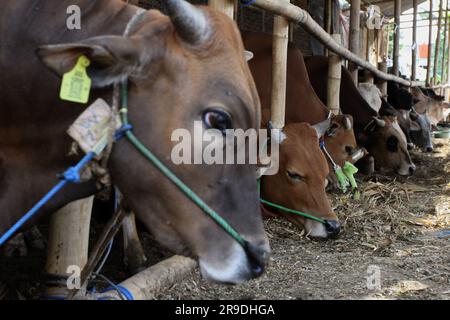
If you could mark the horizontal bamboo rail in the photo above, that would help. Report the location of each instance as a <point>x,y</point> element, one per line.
<point>302,17</point>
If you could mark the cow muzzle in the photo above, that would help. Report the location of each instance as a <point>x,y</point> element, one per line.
<point>237,265</point>
<point>333,228</point>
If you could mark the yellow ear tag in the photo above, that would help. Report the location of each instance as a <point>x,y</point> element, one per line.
<point>76,84</point>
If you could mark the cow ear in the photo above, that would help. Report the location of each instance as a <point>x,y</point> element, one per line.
<point>414,126</point>
<point>321,127</point>
<point>111,58</point>
<point>348,122</point>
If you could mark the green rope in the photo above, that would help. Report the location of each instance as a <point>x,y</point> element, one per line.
<point>170,175</point>
<point>298,213</point>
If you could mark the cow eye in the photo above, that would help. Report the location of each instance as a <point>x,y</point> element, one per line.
<point>392,143</point>
<point>217,119</point>
<point>349,150</point>
<point>295,176</point>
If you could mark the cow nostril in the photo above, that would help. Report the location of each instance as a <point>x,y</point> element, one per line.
<point>333,228</point>
<point>257,256</point>
<point>429,149</point>
<point>412,170</point>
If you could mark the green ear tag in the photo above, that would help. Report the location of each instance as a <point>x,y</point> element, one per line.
<point>349,170</point>
<point>343,182</point>
<point>76,84</point>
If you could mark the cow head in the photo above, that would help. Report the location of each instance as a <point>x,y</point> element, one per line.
<point>341,144</point>
<point>301,180</point>
<point>421,131</point>
<point>185,67</point>
<point>386,142</point>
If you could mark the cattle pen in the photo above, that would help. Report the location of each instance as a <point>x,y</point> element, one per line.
<point>398,226</point>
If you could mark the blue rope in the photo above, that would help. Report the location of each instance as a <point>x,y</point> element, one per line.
<point>124,291</point>
<point>120,133</point>
<point>72,175</point>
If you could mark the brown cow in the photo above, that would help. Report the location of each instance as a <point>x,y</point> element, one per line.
<point>302,104</point>
<point>383,138</point>
<point>184,67</point>
<point>301,180</point>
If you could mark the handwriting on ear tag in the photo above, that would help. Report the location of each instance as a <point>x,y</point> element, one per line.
<point>76,84</point>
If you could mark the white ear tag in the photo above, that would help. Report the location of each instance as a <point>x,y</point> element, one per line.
<point>92,128</point>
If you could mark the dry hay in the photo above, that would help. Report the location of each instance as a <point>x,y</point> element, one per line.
<point>394,226</point>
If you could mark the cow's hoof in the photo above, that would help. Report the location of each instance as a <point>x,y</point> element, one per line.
<point>16,247</point>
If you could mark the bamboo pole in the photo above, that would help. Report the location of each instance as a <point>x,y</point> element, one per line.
<point>414,44</point>
<point>382,84</point>
<point>444,48</point>
<point>225,6</point>
<point>68,243</point>
<point>447,91</point>
<point>334,79</point>
<point>144,285</point>
<point>135,258</point>
<point>300,16</point>
<point>279,70</point>
<point>355,25</point>
<point>438,45</point>
<point>397,12</point>
<point>430,36</point>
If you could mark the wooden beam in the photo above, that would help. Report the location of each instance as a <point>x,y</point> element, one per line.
<point>430,36</point>
<point>146,284</point>
<point>397,12</point>
<point>334,79</point>
<point>415,45</point>
<point>444,48</point>
<point>355,22</point>
<point>279,70</point>
<point>438,45</point>
<point>68,243</point>
<point>302,17</point>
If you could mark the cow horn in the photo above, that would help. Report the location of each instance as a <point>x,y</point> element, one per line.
<point>190,22</point>
<point>379,122</point>
<point>322,127</point>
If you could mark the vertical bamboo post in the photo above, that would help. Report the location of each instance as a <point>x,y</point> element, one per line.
<point>438,45</point>
<point>444,48</point>
<point>225,6</point>
<point>355,22</point>
<point>68,243</point>
<point>414,44</point>
<point>279,69</point>
<point>382,84</point>
<point>430,36</point>
<point>334,79</point>
<point>447,90</point>
<point>397,12</point>
<point>135,258</point>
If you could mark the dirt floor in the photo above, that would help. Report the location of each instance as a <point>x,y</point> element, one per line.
<point>400,228</point>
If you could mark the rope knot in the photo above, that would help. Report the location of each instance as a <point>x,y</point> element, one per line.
<point>71,175</point>
<point>120,133</point>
